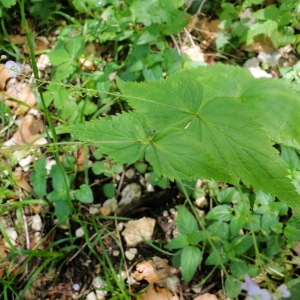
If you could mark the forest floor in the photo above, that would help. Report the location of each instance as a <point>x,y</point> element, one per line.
<point>111,248</point>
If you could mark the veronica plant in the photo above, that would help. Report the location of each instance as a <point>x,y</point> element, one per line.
<point>254,292</point>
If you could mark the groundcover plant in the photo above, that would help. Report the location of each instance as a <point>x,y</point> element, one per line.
<point>109,101</point>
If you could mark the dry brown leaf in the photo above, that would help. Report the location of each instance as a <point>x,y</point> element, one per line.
<point>40,42</point>
<point>206,296</point>
<point>105,210</point>
<point>154,270</point>
<point>297,248</point>
<point>18,39</point>
<point>4,76</point>
<point>80,160</point>
<point>21,92</point>
<point>157,293</point>
<point>208,29</point>
<point>3,253</point>
<point>146,270</point>
<point>29,131</point>
<point>22,181</point>
<point>12,89</point>
<point>261,43</point>
<point>3,249</point>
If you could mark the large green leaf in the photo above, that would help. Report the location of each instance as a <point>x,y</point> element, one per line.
<point>172,152</point>
<point>177,155</point>
<point>236,141</point>
<point>224,123</point>
<point>273,103</point>
<point>124,137</point>
<point>278,109</point>
<point>174,101</point>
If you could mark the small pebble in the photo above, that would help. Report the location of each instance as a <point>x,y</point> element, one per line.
<point>79,232</point>
<point>130,253</point>
<point>201,202</point>
<point>98,283</point>
<point>91,296</point>
<point>94,209</point>
<point>165,213</point>
<point>120,226</point>
<point>130,173</point>
<point>172,211</point>
<point>36,223</point>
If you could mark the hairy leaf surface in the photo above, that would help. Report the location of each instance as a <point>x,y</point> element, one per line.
<point>165,102</point>
<point>273,103</point>
<point>124,137</point>
<point>172,152</point>
<point>277,108</point>
<point>228,122</point>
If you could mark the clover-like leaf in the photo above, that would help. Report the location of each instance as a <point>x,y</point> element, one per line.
<point>84,194</point>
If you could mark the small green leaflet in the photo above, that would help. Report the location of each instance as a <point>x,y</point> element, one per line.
<point>39,177</point>
<point>191,257</point>
<point>7,3</point>
<point>61,185</point>
<point>186,222</point>
<point>84,194</point>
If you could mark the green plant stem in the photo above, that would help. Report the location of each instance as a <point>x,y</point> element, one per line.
<point>256,248</point>
<point>36,75</point>
<point>86,163</point>
<point>202,225</point>
<point>105,261</point>
<point>34,275</point>
<point>69,18</point>
<point>12,45</point>
<point>52,135</point>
